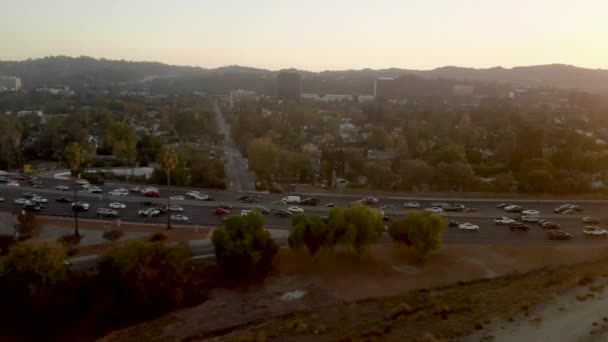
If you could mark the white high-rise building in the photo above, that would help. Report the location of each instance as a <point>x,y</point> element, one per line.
<point>10,83</point>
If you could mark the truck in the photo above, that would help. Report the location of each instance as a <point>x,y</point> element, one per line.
<point>292,199</point>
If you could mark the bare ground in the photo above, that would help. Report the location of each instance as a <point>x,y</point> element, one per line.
<point>341,296</point>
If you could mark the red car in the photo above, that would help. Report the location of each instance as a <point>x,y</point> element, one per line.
<point>154,194</point>
<point>220,212</point>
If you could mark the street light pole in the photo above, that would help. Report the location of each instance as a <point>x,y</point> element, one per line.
<point>75,209</point>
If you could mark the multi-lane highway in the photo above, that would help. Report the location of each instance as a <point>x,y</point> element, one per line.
<point>200,212</point>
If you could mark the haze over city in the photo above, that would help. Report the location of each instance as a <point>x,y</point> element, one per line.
<point>311,35</point>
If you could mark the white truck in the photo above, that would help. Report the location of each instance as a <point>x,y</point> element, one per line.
<point>291,199</point>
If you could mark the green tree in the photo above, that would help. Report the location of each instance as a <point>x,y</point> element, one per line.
<point>11,132</point>
<point>263,155</point>
<point>243,246</point>
<point>420,230</point>
<point>169,160</point>
<point>75,156</point>
<point>145,277</point>
<point>359,227</point>
<point>447,154</point>
<point>537,181</point>
<point>380,176</point>
<point>415,172</point>
<point>311,233</point>
<point>28,227</point>
<point>121,136</point>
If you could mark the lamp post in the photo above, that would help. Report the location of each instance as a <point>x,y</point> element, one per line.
<point>75,209</point>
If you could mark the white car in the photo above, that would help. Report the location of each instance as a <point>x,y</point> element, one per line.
<point>38,199</point>
<point>150,212</point>
<point>530,212</point>
<point>468,226</point>
<point>411,205</point>
<point>439,205</point>
<point>434,210</point>
<point>107,212</point>
<point>175,208</point>
<point>504,220</point>
<point>245,212</point>
<point>201,197</point>
<point>82,182</point>
<point>62,187</point>
<point>21,201</point>
<point>594,231</point>
<point>181,218</point>
<point>530,219</point>
<point>82,205</point>
<point>117,205</point>
<point>192,193</point>
<point>94,190</point>
<point>295,210</point>
<point>178,198</point>
<point>119,192</point>
<point>12,183</point>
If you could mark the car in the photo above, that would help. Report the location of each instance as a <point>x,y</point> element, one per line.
<point>310,201</point>
<point>249,199</point>
<point>147,203</point>
<point>471,210</point>
<point>434,210</point>
<point>504,220</point>
<point>175,208</point>
<point>530,212</point>
<point>454,207</point>
<point>38,199</point>
<point>530,219</point>
<point>292,199</point>
<point>370,200</point>
<point>28,195</point>
<point>468,226</point>
<point>62,188</point>
<point>283,213</point>
<point>501,205</point>
<point>245,212</point>
<point>136,189</point>
<point>180,218</point>
<point>82,181</point>
<point>37,185</point>
<point>152,194</point>
<point>594,231</point>
<point>105,212</point>
<point>177,198</point>
<point>117,205</point>
<point>441,205</point>
<point>332,205</point>
<point>149,212</point>
<point>260,209</point>
<point>453,223</point>
<point>21,201</point>
<point>513,209</point>
<point>295,210</point>
<point>411,205</point>
<point>201,197</point>
<point>590,220</point>
<point>325,219</point>
<point>95,190</point>
<point>558,235</point>
<point>118,192</point>
<point>565,207</point>
<point>80,206</point>
<point>550,225</point>
<point>569,212</point>
<point>12,183</point>
<point>32,207</point>
<point>388,206</point>
<point>220,212</point>
<point>63,200</point>
<point>519,227</point>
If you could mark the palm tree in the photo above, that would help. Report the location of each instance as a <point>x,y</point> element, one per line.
<point>168,161</point>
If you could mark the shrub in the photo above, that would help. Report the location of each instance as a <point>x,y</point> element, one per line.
<point>243,246</point>
<point>113,234</point>
<point>28,226</point>
<point>156,237</point>
<point>421,230</point>
<point>70,239</point>
<point>6,241</point>
<point>145,277</point>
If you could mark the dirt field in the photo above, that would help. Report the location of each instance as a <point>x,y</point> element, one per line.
<point>341,296</point>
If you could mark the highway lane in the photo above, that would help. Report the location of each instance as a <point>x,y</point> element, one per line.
<point>199,213</point>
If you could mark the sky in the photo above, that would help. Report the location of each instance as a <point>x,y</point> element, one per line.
<point>311,34</point>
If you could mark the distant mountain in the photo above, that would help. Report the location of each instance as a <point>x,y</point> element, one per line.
<point>86,72</point>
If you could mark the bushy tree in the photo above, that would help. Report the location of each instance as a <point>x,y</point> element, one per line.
<point>243,246</point>
<point>420,230</point>
<point>113,234</point>
<point>309,232</point>
<point>145,277</point>
<point>263,154</point>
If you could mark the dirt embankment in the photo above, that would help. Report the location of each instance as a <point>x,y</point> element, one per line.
<point>386,294</point>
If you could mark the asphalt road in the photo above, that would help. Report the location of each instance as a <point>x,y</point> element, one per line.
<point>236,168</point>
<point>199,212</point>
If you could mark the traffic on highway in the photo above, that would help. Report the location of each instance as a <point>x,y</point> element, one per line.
<point>474,221</point>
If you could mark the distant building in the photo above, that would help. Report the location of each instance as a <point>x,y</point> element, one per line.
<point>10,83</point>
<point>289,85</point>
<point>366,98</point>
<point>385,88</point>
<point>463,90</point>
<point>243,96</point>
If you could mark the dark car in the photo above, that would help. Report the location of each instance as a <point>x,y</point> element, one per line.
<point>310,201</point>
<point>515,209</point>
<point>63,200</point>
<point>282,213</point>
<point>220,211</point>
<point>454,207</point>
<point>370,200</point>
<point>251,199</point>
<point>28,195</point>
<point>32,207</point>
<point>386,219</point>
<point>519,227</point>
<point>551,225</point>
<point>558,235</point>
<point>590,220</point>
<point>453,223</point>
<point>261,209</point>
<point>325,219</point>
<point>147,203</point>
<point>565,207</point>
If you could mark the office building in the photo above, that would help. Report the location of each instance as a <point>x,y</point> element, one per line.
<point>10,83</point>
<point>289,85</point>
<point>243,96</point>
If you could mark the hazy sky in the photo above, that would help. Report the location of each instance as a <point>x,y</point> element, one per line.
<point>311,34</point>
